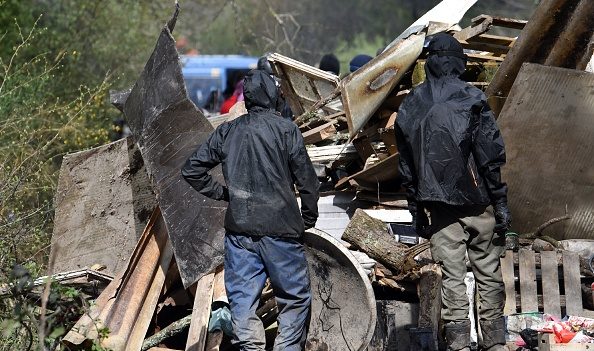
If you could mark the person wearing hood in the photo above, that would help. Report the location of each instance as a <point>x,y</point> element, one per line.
<point>263,157</point>
<point>451,152</point>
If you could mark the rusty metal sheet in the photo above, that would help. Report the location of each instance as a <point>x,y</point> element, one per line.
<point>363,91</point>
<point>559,33</point>
<point>103,202</point>
<point>303,85</point>
<point>168,128</point>
<point>343,311</point>
<point>548,127</point>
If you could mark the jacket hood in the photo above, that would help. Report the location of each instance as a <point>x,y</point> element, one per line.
<point>259,91</point>
<point>445,58</point>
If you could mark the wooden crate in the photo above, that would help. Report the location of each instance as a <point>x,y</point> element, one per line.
<point>539,276</point>
<point>546,342</point>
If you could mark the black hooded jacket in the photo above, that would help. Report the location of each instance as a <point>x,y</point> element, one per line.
<point>263,157</point>
<point>450,147</point>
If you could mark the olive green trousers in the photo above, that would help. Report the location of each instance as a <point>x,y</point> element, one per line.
<point>459,231</point>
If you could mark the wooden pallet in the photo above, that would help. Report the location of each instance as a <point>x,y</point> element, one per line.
<point>538,277</point>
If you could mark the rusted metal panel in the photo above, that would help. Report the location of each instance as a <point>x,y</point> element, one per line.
<point>548,127</point>
<point>168,128</point>
<point>303,85</point>
<point>364,90</point>
<point>103,202</point>
<point>125,303</point>
<point>343,313</point>
<point>560,33</point>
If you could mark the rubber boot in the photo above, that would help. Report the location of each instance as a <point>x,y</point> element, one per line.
<point>457,336</point>
<point>493,332</point>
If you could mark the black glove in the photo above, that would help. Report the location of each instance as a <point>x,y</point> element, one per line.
<point>503,217</point>
<point>420,222</point>
<point>309,224</point>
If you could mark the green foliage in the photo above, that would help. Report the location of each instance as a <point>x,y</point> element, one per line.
<point>26,308</point>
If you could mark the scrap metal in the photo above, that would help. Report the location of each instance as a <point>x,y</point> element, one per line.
<point>168,128</point>
<point>548,127</point>
<point>343,312</point>
<point>559,33</point>
<point>363,91</point>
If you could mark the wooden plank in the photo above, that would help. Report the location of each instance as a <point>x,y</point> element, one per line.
<point>571,278</point>
<point>320,133</point>
<point>550,283</point>
<point>509,22</point>
<point>529,302</point>
<point>214,339</point>
<point>479,46</point>
<point>486,57</point>
<point>507,271</point>
<point>147,310</point>
<point>479,26</point>
<point>200,313</point>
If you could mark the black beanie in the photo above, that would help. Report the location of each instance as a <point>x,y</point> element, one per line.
<point>330,63</point>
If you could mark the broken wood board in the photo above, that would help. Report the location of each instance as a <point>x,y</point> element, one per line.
<point>168,128</point>
<point>103,202</point>
<point>343,309</point>
<point>548,128</point>
<point>325,154</point>
<point>303,85</point>
<point>385,171</point>
<point>201,313</point>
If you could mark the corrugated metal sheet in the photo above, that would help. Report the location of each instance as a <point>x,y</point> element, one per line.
<point>560,33</point>
<point>548,126</point>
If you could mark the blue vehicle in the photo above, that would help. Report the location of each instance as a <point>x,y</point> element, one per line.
<point>209,78</point>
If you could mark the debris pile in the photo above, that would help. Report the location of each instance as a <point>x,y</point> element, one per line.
<point>372,265</point>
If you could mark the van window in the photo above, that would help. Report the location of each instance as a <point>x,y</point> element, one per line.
<point>199,88</point>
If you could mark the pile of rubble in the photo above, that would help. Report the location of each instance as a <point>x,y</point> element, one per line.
<point>124,205</point>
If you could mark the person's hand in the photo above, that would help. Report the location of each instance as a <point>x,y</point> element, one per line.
<point>503,217</point>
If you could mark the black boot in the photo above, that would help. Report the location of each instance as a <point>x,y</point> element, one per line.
<point>493,332</point>
<point>457,336</point>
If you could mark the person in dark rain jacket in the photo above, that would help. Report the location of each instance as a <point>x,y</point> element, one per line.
<point>451,152</point>
<point>263,158</point>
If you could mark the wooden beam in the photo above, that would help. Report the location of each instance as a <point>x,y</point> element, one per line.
<point>528,282</point>
<point>571,278</point>
<point>550,283</point>
<point>200,313</point>
<point>214,339</point>
<point>507,271</point>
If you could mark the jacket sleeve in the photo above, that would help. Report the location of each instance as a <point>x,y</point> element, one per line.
<point>489,154</point>
<point>197,167</point>
<point>304,176</point>
<point>406,166</point>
